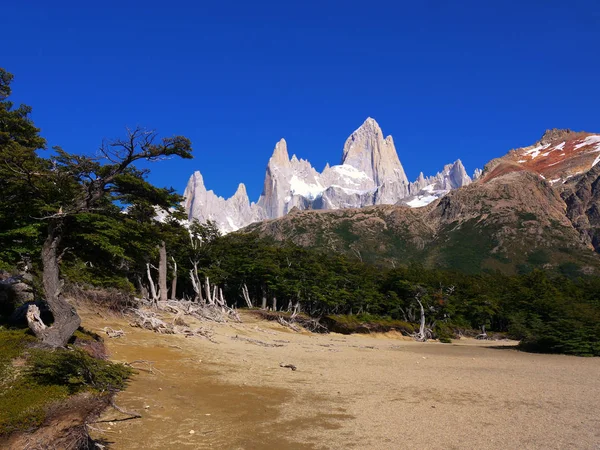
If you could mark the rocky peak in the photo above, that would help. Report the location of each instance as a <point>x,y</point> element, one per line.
<point>241,191</point>
<point>280,155</point>
<point>553,135</point>
<point>368,151</point>
<point>458,175</point>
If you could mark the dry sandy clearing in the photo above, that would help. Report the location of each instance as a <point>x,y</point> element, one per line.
<point>362,392</point>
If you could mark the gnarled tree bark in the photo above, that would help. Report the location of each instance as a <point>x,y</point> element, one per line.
<point>66,319</point>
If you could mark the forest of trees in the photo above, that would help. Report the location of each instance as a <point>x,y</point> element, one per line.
<point>92,220</point>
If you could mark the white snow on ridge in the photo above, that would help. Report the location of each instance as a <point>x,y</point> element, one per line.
<point>346,170</point>
<point>560,146</point>
<point>422,200</point>
<point>535,151</point>
<point>231,224</point>
<point>299,187</point>
<point>349,190</point>
<point>589,141</point>
<point>425,196</point>
<point>596,161</point>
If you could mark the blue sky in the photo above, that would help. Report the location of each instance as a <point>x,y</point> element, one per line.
<point>448,80</point>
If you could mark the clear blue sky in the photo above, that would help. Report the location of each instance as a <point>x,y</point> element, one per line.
<point>448,80</point>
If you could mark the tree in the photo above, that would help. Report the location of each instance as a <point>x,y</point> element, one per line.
<point>58,189</point>
<point>19,141</point>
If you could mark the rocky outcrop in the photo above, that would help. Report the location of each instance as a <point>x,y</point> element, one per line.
<point>229,215</point>
<point>583,207</point>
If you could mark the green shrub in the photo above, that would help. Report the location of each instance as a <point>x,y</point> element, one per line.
<point>12,344</point>
<point>43,377</point>
<point>76,370</point>
<point>23,405</point>
<point>443,332</point>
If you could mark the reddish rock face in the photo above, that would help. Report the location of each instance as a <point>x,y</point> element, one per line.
<point>558,156</point>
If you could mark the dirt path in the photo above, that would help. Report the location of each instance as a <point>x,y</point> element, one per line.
<point>347,392</point>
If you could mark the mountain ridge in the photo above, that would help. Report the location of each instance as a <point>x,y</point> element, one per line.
<point>511,218</point>
<point>369,173</point>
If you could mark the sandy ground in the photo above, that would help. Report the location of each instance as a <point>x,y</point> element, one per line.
<point>361,392</point>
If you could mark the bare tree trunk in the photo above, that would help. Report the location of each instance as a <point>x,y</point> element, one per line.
<point>246,295</point>
<point>209,298</point>
<point>421,335</point>
<point>195,285</point>
<point>66,319</point>
<point>174,282</point>
<point>154,298</point>
<point>264,300</point>
<point>141,286</point>
<point>274,303</point>
<point>296,310</point>
<point>162,273</point>
<point>483,334</point>
<point>200,295</point>
<point>222,301</point>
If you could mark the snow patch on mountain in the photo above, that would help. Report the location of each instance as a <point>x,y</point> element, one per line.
<point>307,190</point>
<point>590,140</point>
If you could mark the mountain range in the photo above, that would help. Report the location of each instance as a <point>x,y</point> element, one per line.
<point>370,173</point>
<point>535,207</point>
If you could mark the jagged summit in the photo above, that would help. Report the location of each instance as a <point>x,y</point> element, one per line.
<point>370,173</point>
<point>554,134</point>
<point>280,153</point>
<point>241,190</point>
<point>368,151</point>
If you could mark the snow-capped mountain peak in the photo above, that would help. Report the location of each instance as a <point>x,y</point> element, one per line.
<point>370,173</point>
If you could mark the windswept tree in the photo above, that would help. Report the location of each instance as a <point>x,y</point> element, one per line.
<point>86,185</point>
<point>64,186</point>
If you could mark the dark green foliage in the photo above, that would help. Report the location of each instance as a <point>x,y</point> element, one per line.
<point>12,344</point>
<point>32,379</point>
<point>443,332</point>
<point>366,323</point>
<point>525,216</point>
<point>76,370</point>
<point>547,311</point>
<point>538,257</point>
<point>24,405</point>
<point>469,247</point>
